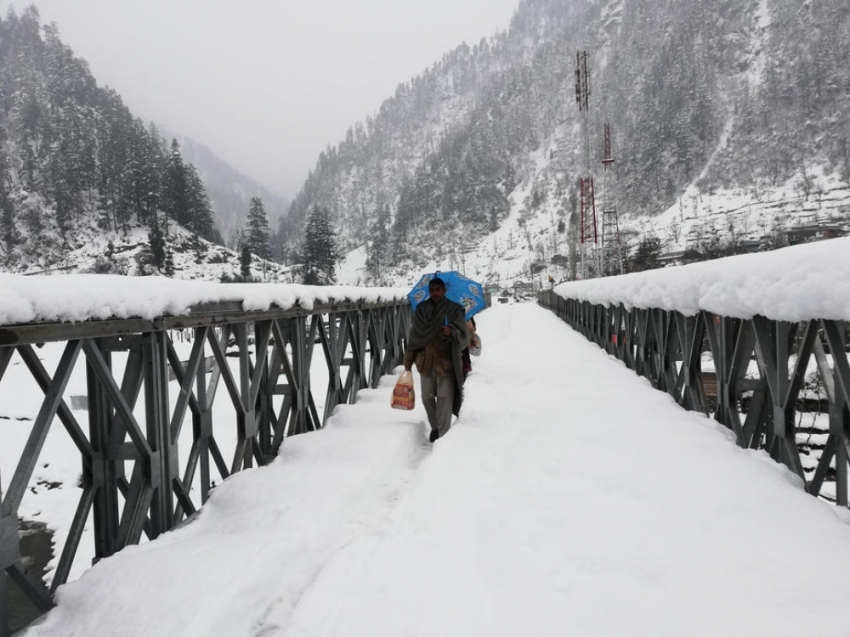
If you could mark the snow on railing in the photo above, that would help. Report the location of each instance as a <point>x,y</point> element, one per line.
<point>800,282</point>
<point>184,383</point>
<point>742,339</point>
<point>81,297</point>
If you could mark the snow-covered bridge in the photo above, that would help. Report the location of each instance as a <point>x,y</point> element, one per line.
<point>571,497</point>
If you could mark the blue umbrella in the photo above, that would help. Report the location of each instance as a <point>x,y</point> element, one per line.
<point>460,289</point>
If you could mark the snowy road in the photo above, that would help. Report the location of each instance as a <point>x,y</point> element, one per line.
<point>570,499</point>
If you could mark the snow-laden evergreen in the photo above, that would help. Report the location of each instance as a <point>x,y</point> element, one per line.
<point>319,253</point>
<point>257,229</point>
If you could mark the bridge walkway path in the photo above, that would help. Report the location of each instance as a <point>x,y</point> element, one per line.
<point>570,499</point>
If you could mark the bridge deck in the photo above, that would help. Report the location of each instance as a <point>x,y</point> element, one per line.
<point>570,498</point>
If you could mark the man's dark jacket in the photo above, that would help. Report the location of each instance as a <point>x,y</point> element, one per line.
<point>428,322</point>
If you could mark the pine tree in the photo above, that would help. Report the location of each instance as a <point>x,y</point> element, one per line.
<point>152,173</point>
<point>257,231</point>
<point>168,265</point>
<point>245,261</point>
<point>646,255</point>
<point>378,257</point>
<point>157,243</point>
<point>135,173</point>
<point>200,208</point>
<point>8,232</point>
<point>175,188</point>
<point>114,135</point>
<point>320,249</point>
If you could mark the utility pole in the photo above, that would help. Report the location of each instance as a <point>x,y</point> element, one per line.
<point>589,234</point>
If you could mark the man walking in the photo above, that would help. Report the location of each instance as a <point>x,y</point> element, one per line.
<point>437,338</point>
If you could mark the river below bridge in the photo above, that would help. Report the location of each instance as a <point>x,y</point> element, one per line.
<point>36,553</point>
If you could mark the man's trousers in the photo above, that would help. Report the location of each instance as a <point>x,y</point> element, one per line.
<point>438,396</point>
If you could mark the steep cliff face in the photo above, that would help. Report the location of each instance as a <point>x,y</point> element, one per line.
<point>704,99</point>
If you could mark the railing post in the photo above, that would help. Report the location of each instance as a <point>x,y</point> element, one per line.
<point>638,336</point>
<point>626,336</point>
<point>202,420</point>
<point>104,477</point>
<point>302,376</point>
<point>374,339</point>
<point>722,332</point>
<point>9,555</point>
<point>690,340</point>
<point>359,354</point>
<point>839,417</point>
<point>266,377</point>
<point>666,358</point>
<point>163,466</point>
<point>246,422</point>
<point>773,351</point>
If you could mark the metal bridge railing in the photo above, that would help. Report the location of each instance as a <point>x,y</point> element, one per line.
<point>136,479</point>
<point>760,371</point>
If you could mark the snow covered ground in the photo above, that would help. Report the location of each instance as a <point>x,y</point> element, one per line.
<point>570,498</point>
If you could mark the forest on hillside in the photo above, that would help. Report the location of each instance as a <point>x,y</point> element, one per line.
<point>71,151</point>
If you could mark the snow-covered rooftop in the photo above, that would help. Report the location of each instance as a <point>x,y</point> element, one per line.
<point>80,297</point>
<point>808,281</point>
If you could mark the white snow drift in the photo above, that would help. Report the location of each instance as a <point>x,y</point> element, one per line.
<point>79,297</point>
<point>808,281</point>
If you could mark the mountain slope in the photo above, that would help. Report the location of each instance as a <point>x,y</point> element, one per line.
<point>129,253</point>
<point>76,166</point>
<point>481,154</point>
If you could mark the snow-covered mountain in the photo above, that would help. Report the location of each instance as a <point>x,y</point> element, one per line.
<point>78,171</point>
<point>731,120</point>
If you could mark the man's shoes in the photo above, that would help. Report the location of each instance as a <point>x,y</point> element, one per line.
<point>435,433</point>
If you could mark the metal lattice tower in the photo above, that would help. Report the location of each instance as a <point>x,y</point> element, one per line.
<point>612,254</point>
<point>588,203</point>
<point>589,234</point>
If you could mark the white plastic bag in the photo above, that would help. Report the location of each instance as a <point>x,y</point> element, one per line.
<point>475,350</point>
<point>403,395</point>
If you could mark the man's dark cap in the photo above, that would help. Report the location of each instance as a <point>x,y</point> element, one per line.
<point>437,281</point>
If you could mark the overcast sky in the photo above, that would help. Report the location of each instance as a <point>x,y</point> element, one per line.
<point>266,84</point>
